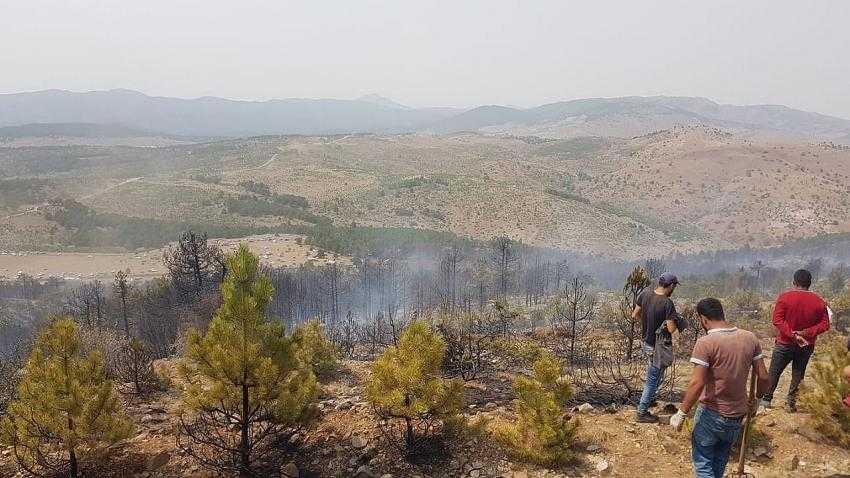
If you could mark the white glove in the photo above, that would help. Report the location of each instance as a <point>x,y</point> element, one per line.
<point>677,420</point>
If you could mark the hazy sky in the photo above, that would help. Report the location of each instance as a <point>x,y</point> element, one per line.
<point>457,53</point>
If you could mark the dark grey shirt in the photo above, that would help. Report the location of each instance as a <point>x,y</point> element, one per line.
<point>654,310</point>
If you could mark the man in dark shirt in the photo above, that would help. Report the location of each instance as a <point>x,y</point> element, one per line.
<point>799,316</point>
<point>654,308</point>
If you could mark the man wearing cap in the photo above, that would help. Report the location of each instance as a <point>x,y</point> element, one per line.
<point>654,309</point>
<point>799,316</point>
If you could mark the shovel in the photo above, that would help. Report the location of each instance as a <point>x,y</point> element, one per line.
<point>748,421</point>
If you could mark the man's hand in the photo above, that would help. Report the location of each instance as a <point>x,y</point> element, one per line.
<point>801,341</point>
<point>677,420</point>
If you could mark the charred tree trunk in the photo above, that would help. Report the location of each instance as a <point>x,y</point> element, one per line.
<point>245,444</point>
<point>73,472</point>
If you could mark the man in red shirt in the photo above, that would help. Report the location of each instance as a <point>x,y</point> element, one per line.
<point>799,317</point>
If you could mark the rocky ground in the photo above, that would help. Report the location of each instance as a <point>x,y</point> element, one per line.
<point>348,442</point>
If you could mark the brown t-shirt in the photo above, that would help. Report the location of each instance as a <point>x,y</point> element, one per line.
<point>728,354</point>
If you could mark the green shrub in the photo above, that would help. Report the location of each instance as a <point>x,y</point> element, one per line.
<point>246,387</point>
<point>65,410</point>
<point>826,390</point>
<point>406,386</point>
<point>317,350</point>
<point>255,207</point>
<point>542,432</point>
<point>255,187</point>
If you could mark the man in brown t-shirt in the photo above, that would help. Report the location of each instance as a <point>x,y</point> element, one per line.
<point>722,360</point>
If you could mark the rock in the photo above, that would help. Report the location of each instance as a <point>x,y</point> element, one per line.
<point>669,409</point>
<point>602,466</point>
<point>294,439</point>
<point>810,433</point>
<point>290,470</point>
<point>760,451</point>
<point>670,446</point>
<point>157,461</point>
<point>794,463</point>
<point>358,441</point>
<point>368,453</point>
<point>387,475</point>
<point>474,473</point>
<point>364,472</point>
<point>148,418</point>
<point>490,406</point>
<point>593,448</point>
<point>585,407</point>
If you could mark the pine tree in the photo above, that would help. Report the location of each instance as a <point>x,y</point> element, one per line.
<point>824,395</point>
<point>247,386</point>
<point>543,432</point>
<point>317,350</point>
<point>65,408</point>
<point>406,386</point>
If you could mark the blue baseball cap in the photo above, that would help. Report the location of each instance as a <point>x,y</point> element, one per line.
<point>667,279</point>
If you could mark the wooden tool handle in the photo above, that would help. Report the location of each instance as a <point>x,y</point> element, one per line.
<point>747,421</point>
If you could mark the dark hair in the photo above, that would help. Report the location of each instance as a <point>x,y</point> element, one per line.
<point>711,308</point>
<point>803,278</point>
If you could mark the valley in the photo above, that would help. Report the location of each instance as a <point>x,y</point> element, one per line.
<point>683,190</point>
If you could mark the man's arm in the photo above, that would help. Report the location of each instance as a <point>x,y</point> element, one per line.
<point>694,388</point>
<point>762,379</point>
<point>672,326</point>
<point>636,313</point>
<point>779,321</point>
<point>809,333</point>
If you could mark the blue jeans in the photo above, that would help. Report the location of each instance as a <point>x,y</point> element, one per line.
<point>712,441</point>
<point>654,376</point>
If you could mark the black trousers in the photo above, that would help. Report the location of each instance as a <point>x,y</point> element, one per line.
<point>784,354</point>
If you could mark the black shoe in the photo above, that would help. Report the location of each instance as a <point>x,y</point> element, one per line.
<point>646,417</point>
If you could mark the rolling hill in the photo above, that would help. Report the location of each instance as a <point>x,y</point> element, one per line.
<point>687,189</point>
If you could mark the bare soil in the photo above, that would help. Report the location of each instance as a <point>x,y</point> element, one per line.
<point>274,250</point>
<point>349,436</point>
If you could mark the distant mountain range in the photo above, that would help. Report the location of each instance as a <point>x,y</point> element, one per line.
<point>216,116</point>
<point>209,116</point>
<point>635,116</point>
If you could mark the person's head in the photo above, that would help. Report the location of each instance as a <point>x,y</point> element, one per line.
<point>710,310</point>
<point>803,279</point>
<point>668,282</point>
